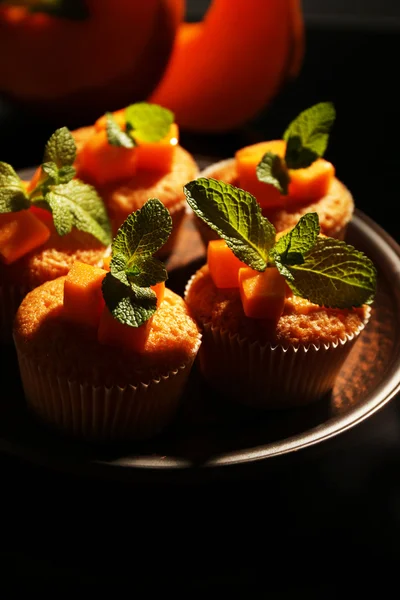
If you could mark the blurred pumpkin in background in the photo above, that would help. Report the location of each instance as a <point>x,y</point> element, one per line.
<point>228,67</point>
<point>76,59</point>
<point>79,58</point>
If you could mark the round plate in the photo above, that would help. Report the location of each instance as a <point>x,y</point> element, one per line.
<point>210,433</point>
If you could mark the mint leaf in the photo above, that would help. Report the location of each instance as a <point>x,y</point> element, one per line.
<point>307,136</point>
<point>13,196</point>
<point>148,122</point>
<point>334,274</point>
<point>133,269</point>
<point>61,148</point>
<point>139,237</point>
<point>76,204</point>
<point>236,216</point>
<point>115,135</point>
<point>146,271</point>
<point>291,247</point>
<point>272,169</point>
<point>130,305</point>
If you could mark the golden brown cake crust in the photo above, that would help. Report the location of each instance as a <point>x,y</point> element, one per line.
<point>301,322</point>
<point>53,259</point>
<point>124,198</point>
<point>335,209</point>
<point>41,333</point>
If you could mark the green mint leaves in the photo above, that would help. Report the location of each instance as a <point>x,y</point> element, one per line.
<point>145,122</point>
<point>67,9</point>
<point>71,202</point>
<point>323,270</point>
<point>133,268</point>
<point>307,136</point>
<point>306,140</point>
<point>13,196</point>
<point>115,135</point>
<point>272,169</point>
<point>236,216</point>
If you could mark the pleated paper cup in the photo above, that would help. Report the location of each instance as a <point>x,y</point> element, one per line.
<point>100,413</point>
<point>11,297</point>
<point>271,376</point>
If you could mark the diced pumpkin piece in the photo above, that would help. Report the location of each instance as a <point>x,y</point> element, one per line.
<point>114,333</point>
<point>83,298</point>
<point>262,293</point>
<point>103,163</point>
<point>247,160</point>
<point>311,183</point>
<point>223,264</point>
<point>20,232</point>
<point>159,290</point>
<point>158,156</point>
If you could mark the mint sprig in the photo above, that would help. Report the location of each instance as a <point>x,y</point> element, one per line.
<point>13,196</point>
<point>323,270</point>
<point>144,122</point>
<point>71,202</point>
<point>306,140</point>
<point>236,216</point>
<point>133,268</point>
<point>115,135</point>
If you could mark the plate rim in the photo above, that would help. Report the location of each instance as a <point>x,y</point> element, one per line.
<point>385,245</point>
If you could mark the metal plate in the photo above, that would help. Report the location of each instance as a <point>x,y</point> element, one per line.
<point>209,433</point>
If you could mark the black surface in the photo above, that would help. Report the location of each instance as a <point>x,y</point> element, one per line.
<point>323,522</point>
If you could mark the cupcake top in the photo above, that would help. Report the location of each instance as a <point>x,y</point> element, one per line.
<point>296,287</point>
<point>116,325</point>
<point>52,220</point>
<point>133,154</point>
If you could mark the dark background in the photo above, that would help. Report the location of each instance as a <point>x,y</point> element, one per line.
<point>320,522</point>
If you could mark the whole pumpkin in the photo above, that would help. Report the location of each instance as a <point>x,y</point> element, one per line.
<point>77,69</point>
<point>228,67</point>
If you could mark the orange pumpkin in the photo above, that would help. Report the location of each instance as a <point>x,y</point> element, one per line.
<point>224,70</point>
<point>81,68</point>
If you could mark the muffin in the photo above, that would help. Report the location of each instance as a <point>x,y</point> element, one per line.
<point>132,155</point>
<point>279,313</point>
<point>289,177</point>
<point>45,225</point>
<point>105,353</point>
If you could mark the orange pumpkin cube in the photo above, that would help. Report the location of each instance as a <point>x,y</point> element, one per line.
<point>20,232</point>
<point>103,163</point>
<point>83,298</point>
<point>247,160</point>
<point>262,293</point>
<point>114,333</point>
<point>158,156</point>
<point>312,183</point>
<point>223,265</point>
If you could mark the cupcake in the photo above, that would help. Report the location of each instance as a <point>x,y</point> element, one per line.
<point>45,225</point>
<point>279,313</point>
<point>132,155</point>
<point>289,177</point>
<point>105,353</point>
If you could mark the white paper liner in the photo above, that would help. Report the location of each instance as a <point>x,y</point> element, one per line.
<point>102,413</point>
<point>11,297</point>
<point>270,376</point>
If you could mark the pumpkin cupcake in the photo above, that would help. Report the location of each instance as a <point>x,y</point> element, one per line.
<point>105,353</point>
<point>278,313</point>
<point>132,155</point>
<point>45,225</point>
<point>289,177</point>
